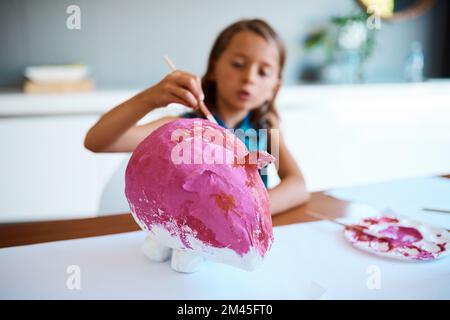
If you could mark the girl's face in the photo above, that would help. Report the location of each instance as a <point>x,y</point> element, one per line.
<point>247,72</point>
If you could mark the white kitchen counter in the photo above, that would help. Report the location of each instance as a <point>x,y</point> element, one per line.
<point>96,102</point>
<point>20,104</point>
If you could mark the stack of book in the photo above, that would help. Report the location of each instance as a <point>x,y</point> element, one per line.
<point>58,78</point>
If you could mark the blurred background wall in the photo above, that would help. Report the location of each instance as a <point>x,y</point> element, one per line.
<point>123,41</point>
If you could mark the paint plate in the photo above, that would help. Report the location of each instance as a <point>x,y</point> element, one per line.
<point>398,238</point>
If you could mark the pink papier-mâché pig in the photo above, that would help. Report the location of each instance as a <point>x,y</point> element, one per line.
<point>195,188</point>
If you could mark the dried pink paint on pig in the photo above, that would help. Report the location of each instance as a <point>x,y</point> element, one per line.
<point>194,186</point>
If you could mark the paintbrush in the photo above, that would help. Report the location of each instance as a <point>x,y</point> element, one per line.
<point>347,226</point>
<point>201,104</point>
<point>436,210</point>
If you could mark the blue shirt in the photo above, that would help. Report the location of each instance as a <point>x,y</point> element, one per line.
<point>254,139</point>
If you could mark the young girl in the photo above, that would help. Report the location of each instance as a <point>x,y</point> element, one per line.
<point>239,87</point>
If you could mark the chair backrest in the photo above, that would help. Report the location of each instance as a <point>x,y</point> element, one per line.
<point>112,199</point>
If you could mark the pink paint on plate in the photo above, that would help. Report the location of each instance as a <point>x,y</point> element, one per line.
<point>400,238</point>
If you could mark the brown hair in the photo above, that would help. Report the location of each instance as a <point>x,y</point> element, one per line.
<point>261,28</point>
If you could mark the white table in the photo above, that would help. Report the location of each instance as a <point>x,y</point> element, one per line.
<point>307,261</point>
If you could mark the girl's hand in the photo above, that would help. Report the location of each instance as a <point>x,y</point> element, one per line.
<point>177,87</point>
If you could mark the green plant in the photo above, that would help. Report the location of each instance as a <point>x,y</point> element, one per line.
<point>327,37</point>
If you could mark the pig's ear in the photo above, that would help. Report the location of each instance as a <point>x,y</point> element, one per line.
<point>264,159</point>
<point>260,159</point>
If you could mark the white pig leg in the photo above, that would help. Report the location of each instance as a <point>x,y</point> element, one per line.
<point>183,261</point>
<point>154,250</point>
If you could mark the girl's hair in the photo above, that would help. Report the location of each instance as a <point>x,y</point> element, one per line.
<point>260,28</point>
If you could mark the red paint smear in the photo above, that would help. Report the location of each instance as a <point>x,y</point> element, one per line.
<point>401,235</point>
<point>372,221</point>
<point>225,201</point>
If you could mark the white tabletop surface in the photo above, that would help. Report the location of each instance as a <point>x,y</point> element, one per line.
<point>309,260</point>
<point>405,197</point>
